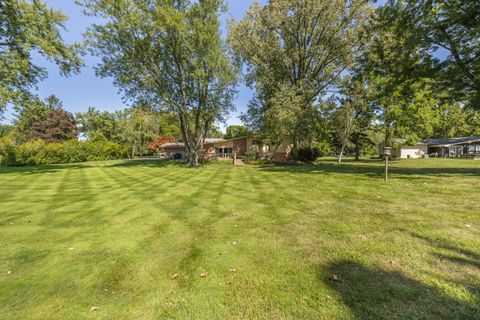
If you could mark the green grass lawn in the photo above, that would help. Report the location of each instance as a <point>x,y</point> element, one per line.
<point>112,235</point>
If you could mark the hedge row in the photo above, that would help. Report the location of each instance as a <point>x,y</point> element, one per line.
<point>39,152</point>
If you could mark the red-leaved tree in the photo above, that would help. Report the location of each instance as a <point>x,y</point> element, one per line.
<point>159,141</point>
<point>58,126</point>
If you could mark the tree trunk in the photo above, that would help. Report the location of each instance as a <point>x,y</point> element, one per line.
<point>194,150</point>
<point>342,150</point>
<point>346,133</point>
<point>357,150</point>
<point>295,148</point>
<point>193,158</point>
<point>275,148</point>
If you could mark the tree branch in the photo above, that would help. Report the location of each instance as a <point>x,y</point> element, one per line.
<point>458,59</point>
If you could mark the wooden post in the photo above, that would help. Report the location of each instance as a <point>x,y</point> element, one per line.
<point>386,168</point>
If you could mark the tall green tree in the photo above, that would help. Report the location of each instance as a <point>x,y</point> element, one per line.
<point>169,54</point>
<point>353,116</point>
<point>29,27</point>
<point>397,71</point>
<point>451,28</point>
<point>5,129</point>
<point>140,127</point>
<point>295,51</point>
<point>98,125</point>
<point>168,124</point>
<point>456,120</point>
<point>236,131</point>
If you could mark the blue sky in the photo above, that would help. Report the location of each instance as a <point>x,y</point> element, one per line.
<point>81,91</point>
<point>84,90</point>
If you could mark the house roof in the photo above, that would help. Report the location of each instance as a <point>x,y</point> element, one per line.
<point>225,140</point>
<point>181,145</point>
<point>402,141</point>
<point>173,145</point>
<point>207,141</point>
<point>450,141</point>
<point>213,140</point>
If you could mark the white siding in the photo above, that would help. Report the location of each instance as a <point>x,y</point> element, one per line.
<point>413,152</point>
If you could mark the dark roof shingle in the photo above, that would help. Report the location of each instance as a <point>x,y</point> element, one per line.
<point>450,141</point>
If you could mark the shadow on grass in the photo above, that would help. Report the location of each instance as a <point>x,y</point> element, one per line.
<point>372,293</point>
<point>371,168</point>
<point>447,246</point>
<point>48,168</point>
<point>158,163</point>
<point>467,262</point>
<point>83,165</point>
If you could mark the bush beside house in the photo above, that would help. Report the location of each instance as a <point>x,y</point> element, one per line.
<point>250,156</point>
<point>308,154</point>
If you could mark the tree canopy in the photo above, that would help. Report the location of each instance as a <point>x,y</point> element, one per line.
<point>236,131</point>
<point>59,125</point>
<point>450,28</point>
<point>295,51</point>
<point>28,27</point>
<point>169,54</point>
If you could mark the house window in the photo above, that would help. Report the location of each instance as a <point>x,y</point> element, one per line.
<point>220,152</point>
<point>474,148</point>
<point>455,151</point>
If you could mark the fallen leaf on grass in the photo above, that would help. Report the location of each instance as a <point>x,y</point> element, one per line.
<point>468,226</point>
<point>235,242</point>
<point>335,278</point>
<point>233,270</point>
<point>175,276</point>
<point>92,309</point>
<point>9,272</point>
<point>203,274</point>
<point>70,249</point>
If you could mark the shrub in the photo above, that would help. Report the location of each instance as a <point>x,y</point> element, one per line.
<point>30,153</point>
<point>250,156</point>
<point>7,152</point>
<point>38,152</point>
<point>308,154</point>
<point>105,150</point>
<point>324,147</point>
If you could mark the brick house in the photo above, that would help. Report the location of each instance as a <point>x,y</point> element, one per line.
<point>222,149</point>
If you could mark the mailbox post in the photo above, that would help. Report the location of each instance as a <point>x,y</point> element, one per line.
<point>387,152</point>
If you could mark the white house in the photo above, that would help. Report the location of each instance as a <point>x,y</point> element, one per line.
<point>465,147</point>
<point>401,151</point>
